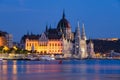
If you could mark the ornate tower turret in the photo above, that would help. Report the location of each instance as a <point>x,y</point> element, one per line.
<point>77,41</point>
<point>83,35</point>
<point>80,43</point>
<point>78,32</point>
<point>46,28</point>
<point>90,49</point>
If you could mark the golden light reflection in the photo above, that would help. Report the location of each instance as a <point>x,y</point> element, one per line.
<point>5,67</point>
<point>14,70</point>
<point>4,70</point>
<point>14,67</point>
<point>55,68</point>
<point>28,68</point>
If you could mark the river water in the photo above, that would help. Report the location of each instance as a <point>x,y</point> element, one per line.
<point>68,70</point>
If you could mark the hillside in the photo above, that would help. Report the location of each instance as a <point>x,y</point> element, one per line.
<point>104,46</point>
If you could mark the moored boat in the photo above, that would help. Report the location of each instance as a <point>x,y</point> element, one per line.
<point>47,58</point>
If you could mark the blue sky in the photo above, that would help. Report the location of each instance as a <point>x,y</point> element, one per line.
<point>101,17</point>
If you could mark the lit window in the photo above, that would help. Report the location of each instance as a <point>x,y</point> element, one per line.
<point>52,50</point>
<point>55,44</point>
<point>30,44</point>
<point>27,44</point>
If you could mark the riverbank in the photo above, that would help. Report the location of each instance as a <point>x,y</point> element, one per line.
<point>46,57</point>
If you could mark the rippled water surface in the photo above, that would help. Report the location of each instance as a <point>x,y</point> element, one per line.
<point>68,70</point>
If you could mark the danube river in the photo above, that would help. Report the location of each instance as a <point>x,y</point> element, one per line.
<point>68,70</point>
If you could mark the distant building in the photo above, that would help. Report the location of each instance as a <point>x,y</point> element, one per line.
<point>9,39</point>
<point>60,40</point>
<point>108,39</point>
<point>6,39</point>
<point>2,41</point>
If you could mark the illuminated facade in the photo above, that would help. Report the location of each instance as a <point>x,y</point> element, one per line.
<point>60,40</point>
<point>2,41</point>
<point>80,43</point>
<point>6,39</point>
<point>90,49</point>
<point>43,44</point>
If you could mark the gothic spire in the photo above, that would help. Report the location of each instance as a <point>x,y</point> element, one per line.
<point>78,30</point>
<point>50,27</point>
<point>46,28</point>
<point>27,33</point>
<point>83,36</point>
<point>63,14</point>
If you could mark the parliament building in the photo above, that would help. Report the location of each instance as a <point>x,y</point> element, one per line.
<point>60,41</point>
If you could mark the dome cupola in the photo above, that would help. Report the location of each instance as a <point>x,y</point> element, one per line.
<point>63,23</point>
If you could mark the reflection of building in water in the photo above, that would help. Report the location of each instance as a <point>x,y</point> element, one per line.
<point>4,68</point>
<point>14,67</point>
<point>14,70</point>
<point>58,41</point>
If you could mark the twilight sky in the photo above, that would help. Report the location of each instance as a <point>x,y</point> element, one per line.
<point>101,17</point>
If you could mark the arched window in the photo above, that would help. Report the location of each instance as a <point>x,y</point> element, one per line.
<point>55,44</point>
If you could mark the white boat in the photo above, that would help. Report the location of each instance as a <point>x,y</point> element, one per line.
<point>32,58</point>
<point>47,58</point>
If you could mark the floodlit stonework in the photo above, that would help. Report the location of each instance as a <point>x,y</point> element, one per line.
<point>58,41</point>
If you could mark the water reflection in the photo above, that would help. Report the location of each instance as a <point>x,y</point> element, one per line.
<point>42,68</point>
<point>14,70</point>
<point>3,71</point>
<point>4,68</point>
<point>28,69</point>
<point>69,70</point>
<point>14,67</point>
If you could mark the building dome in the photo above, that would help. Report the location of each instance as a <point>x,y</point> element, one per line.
<point>63,23</point>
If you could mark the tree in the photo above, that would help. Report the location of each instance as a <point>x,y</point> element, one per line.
<point>5,49</point>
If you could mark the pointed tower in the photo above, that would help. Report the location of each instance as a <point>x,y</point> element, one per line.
<point>63,14</point>
<point>90,49</point>
<point>46,28</point>
<point>83,45</point>
<point>78,31</point>
<point>27,33</point>
<point>50,27</point>
<point>83,35</point>
<point>77,42</point>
